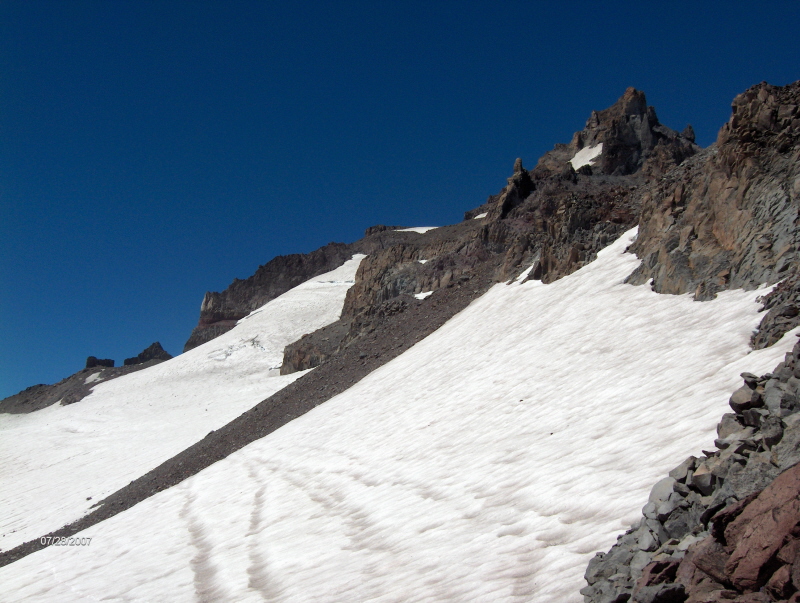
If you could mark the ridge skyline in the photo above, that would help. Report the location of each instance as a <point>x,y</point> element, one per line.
<point>111,238</point>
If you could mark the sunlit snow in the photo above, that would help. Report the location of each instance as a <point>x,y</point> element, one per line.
<point>487,463</point>
<point>419,229</point>
<point>479,216</point>
<point>586,156</point>
<point>423,295</point>
<point>93,377</point>
<point>52,460</point>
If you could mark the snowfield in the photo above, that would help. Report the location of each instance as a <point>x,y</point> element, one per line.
<point>418,229</point>
<point>53,460</point>
<point>487,463</point>
<point>586,156</point>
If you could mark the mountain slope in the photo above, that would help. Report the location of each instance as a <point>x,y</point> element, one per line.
<point>614,383</point>
<point>491,472</point>
<point>66,458</point>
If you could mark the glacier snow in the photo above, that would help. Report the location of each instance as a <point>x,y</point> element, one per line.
<point>487,463</point>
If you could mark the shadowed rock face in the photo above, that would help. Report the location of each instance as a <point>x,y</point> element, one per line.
<point>93,361</point>
<point>727,217</point>
<point>551,218</point>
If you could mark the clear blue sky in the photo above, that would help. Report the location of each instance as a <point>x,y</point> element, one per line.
<point>151,151</point>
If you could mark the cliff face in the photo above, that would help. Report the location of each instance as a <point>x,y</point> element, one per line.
<point>728,217</point>
<point>623,139</point>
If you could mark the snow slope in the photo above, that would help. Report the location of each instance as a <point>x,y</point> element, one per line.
<point>418,229</point>
<point>53,460</point>
<point>586,156</point>
<point>487,463</point>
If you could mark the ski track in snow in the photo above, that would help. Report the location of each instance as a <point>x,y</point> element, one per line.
<point>487,463</point>
<point>52,460</point>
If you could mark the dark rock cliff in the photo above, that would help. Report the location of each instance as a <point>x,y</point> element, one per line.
<point>220,311</point>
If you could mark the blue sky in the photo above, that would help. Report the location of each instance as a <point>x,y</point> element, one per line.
<point>151,151</point>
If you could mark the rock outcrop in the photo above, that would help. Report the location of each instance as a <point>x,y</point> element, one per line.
<point>79,385</point>
<point>727,218</point>
<point>219,312</point>
<point>623,139</point>
<point>92,362</point>
<point>153,352</point>
<point>552,218</point>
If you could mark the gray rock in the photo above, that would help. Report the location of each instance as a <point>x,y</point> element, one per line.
<point>606,591</point>
<point>742,399</point>
<point>683,521</point>
<point>753,477</point>
<point>704,482</point>
<point>787,451</point>
<point>657,529</point>
<point>777,397</point>
<point>729,423</point>
<point>752,416</point>
<point>733,439</point>
<point>771,431</point>
<point>679,473</point>
<point>594,571</point>
<point>682,489</point>
<point>648,542</point>
<point>661,593</point>
<point>639,562</point>
<point>649,510</point>
<point>750,380</point>
<point>665,509</point>
<point>662,490</point>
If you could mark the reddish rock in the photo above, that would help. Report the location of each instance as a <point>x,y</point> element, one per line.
<point>723,519</point>
<point>780,584</point>
<point>710,557</point>
<point>759,532</point>
<point>789,551</point>
<point>699,585</point>
<point>657,572</point>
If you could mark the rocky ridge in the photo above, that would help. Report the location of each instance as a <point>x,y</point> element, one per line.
<point>79,385</point>
<point>727,218</point>
<point>551,217</point>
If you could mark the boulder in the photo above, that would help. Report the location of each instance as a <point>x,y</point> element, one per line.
<point>758,533</point>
